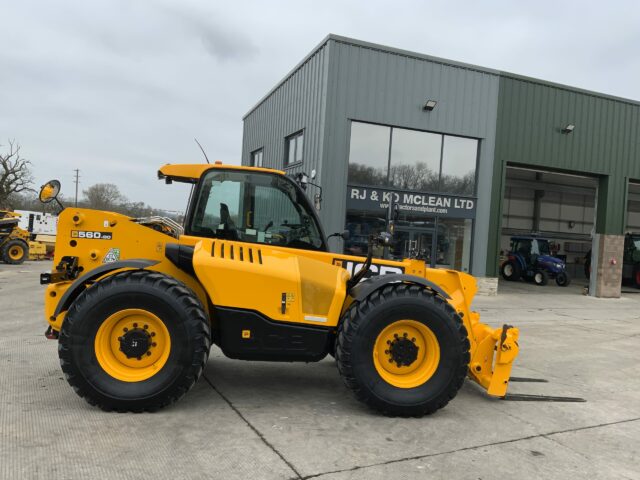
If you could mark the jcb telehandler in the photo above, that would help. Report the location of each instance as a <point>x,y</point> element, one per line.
<point>14,241</point>
<point>136,303</point>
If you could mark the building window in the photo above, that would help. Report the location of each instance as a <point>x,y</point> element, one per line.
<point>459,158</point>
<point>256,158</point>
<point>369,154</point>
<point>294,145</point>
<point>426,174</point>
<point>415,160</point>
<point>412,160</point>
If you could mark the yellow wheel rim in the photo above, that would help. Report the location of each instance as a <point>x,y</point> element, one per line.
<point>16,252</point>
<point>124,325</point>
<point>406,354</point>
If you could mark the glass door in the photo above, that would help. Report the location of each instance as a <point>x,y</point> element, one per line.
<point>412,242</point>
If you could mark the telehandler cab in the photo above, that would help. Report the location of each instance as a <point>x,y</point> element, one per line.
<point>137,303</point>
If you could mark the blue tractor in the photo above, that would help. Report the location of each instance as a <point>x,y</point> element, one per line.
<point>530,259</point>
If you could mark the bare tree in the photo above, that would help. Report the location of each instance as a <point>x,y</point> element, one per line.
<point>15,174</point>
<point>103,196</point>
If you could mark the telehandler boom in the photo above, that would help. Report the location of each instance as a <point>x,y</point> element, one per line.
<point>137,303</point>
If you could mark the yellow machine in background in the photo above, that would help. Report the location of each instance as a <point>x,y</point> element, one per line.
<point>14,241</point>
<point>136,303</point>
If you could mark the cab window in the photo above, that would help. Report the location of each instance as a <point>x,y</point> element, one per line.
<point>254,207</point>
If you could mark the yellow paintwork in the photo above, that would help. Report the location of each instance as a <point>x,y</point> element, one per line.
<point>192,172</point>
<point>114,362</point>
<point>17,232</point>
<point>313,282</point>
<point>132,240</point>
<point>16,252</point>
<point>37,250</point>
<point>313,288</point>
<point>425,365</point>
<point>47,192</point>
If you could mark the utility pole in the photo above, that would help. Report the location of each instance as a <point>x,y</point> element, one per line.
<point>77,180</point>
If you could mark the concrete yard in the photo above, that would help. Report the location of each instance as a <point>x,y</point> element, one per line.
<point>278,421</point>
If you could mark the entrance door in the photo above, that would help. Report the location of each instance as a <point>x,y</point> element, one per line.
<point>412,242</point>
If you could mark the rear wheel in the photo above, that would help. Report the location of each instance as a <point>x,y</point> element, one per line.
<point>540,278</point>
<point>511,271</point>
<point>135,341</point>
<point>636,276</point>
<point>15,252</point>
<point>403,351</point>
<point>562,279</point>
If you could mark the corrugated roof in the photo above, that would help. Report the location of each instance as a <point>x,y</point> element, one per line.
<point>430,58</point>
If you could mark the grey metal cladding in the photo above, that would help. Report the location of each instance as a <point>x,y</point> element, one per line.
<point>376,84</point>
<point>297,103</point>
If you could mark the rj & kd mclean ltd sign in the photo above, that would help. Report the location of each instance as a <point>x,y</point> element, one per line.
<point>372,199</point>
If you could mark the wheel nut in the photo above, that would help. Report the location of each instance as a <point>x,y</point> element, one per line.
<point>120,339</point>
<point>405,334</point>
<point>148,354</point>
<point>387,352</point>
<point>139,358</point>
<point>153,344</point>
<point>395,335</point>
<point>413,339</point>
<point>153,334</point>
<point>125,329</point>
<point>135,325</point>
<point>146,327</point>
<point>391,360</point>
<point>388,342</point>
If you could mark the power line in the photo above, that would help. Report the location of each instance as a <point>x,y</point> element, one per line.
<point>77,179</point>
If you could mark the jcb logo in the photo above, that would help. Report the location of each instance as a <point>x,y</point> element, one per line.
<point>355,267</point>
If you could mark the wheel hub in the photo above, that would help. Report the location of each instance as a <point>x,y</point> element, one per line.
<point>403,351</point>
<point>135,343</point>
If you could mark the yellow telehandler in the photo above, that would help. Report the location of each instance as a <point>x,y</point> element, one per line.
<point>14,241</point>
<point>136,303</point>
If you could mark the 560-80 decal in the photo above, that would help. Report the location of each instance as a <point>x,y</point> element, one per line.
<point>91,235</point>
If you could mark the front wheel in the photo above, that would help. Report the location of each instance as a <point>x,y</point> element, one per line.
<point>403,351</point>
<point>135,341</point>
<point>562,279</point>
<point>540,278</point>
<point>15,252</point>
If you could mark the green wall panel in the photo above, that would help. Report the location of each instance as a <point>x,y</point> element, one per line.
<point>604,144</point>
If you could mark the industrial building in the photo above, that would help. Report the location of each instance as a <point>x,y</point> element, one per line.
<point>470,155</point>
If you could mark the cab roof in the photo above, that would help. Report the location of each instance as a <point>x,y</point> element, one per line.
<point>191,172</point>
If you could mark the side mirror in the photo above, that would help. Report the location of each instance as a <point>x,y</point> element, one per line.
<point>303,180</point>
<point>49,191</point>
<point>384,239</point>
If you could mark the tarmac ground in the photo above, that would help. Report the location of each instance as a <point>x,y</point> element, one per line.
<point>257,420</point>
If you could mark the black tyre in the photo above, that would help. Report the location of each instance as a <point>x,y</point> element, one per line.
<point>636,276</point>
<point>562,279</point>
<point>135,341</point>
<point>15,251</point>
<point>540,278</point>
<point>387,345</point>
<point>511,271</point>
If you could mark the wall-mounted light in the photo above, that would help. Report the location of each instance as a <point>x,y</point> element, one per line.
<point>430,105</point>
<point>569,128</point>
<point>571,224</point>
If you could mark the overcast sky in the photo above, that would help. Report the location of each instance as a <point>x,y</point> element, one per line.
<point>118,88</point>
